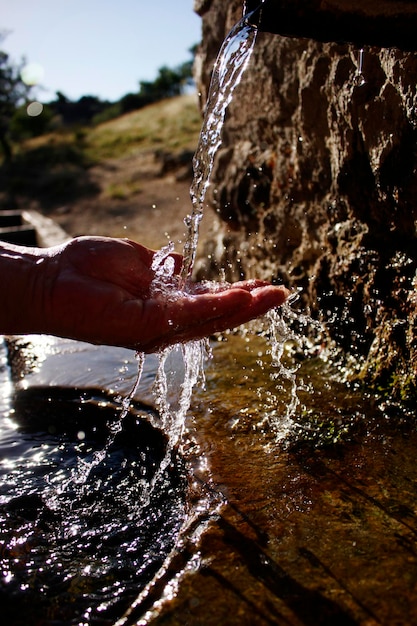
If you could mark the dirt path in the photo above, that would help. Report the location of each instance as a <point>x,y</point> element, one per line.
<point>152,214</point>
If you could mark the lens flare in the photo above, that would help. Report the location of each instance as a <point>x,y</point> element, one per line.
<point>34,109</point>
<point>32,74</point>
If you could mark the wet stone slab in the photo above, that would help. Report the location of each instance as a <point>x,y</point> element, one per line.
<point>310,531</point>
<point>314,539</point>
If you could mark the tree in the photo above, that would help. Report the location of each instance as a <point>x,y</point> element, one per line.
<point>186,69</point>
<point>169,82</point>
<point>13,92</point>
<point>23,125</point>
<point>165,85</point>
<point>81,111</point>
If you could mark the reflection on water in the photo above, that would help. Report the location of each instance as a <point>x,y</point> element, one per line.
<point>81,551</point>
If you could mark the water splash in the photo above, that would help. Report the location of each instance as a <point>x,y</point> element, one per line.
<point>228,71</point>
<point>80,474</point>
<point>173,413</point>
<point>280,333</point>
<point>164,283</point>
<point>230,65</point>
<point>283,330</point>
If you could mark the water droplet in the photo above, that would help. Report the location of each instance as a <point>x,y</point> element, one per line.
<point>359,78</point>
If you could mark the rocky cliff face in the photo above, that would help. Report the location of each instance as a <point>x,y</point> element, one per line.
<point>315,185</point>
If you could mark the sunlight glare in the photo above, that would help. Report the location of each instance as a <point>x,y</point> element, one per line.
<point>32,74</point>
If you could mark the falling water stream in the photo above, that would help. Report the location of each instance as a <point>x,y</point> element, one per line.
<point>230,65</point>
<point>227,73</point>
<point>228,70</point>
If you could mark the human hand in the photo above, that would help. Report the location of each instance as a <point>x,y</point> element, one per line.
<point>99,290</point>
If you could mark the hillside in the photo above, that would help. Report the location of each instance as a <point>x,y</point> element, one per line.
<point>129,177</point>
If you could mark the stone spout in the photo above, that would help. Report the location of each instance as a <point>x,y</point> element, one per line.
<point>381,23</point>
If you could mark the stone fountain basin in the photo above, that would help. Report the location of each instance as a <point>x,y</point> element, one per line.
<point>30,228</point>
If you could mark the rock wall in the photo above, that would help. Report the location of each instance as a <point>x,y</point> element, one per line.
<point>315,185</point>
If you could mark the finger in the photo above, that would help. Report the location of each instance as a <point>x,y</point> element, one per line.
<point>215,312</point>
<point>216,287</point>
<point>200,316</point>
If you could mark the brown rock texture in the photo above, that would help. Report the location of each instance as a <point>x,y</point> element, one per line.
<point>315,185</point>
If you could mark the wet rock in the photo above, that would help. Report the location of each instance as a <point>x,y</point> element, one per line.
<point>315,185</point>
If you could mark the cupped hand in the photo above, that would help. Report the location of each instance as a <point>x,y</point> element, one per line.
<point>99,290</point>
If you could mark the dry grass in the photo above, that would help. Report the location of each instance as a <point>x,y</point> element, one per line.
<point>171,125</point>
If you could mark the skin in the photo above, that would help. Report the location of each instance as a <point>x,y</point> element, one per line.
<point>98,290</point>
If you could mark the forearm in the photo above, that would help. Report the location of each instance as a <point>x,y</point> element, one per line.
<point>22,289</point>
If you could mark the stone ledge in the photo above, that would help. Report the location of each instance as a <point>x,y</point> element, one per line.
<point>30,228</point>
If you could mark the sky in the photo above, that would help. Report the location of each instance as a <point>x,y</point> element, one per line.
<point>101,48</point>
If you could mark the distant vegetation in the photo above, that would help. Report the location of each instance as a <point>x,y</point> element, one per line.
<point>17,125</point>
<point>55,168</point>
<point>47,158</point>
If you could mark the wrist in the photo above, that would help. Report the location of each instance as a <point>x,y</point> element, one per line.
<point>22,270</point>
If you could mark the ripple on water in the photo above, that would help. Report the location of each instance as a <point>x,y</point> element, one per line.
<point>74,548</point>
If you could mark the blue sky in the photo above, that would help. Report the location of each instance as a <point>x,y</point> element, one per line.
<point>98,47</point>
